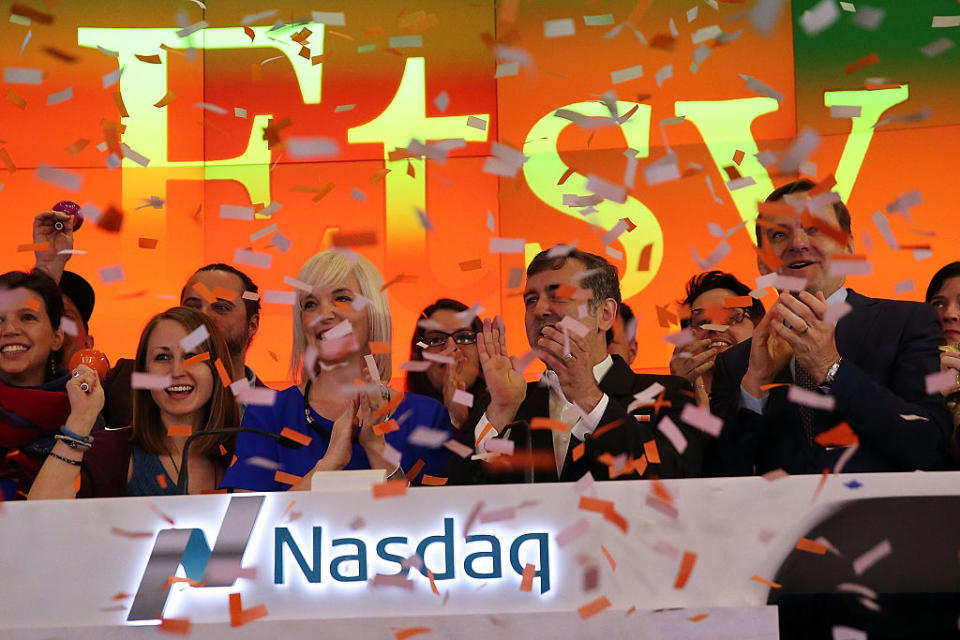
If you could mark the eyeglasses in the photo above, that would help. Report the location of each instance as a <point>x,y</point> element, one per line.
<point>437,340</point>
<point>700,319</point>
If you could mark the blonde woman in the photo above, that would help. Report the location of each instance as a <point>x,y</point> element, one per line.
<point>342,402</point>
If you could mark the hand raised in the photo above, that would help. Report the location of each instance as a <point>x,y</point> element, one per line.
<point>86,397</point>
<point>454,380</point>
<point>693,360</point>
<point>49,259</point>
<point>768,355</point>
<point>507,387</point>
<point>810,336</point>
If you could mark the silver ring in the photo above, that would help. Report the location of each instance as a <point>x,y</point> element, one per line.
<point>84,387</point>
<point>58,226</point>
<point>567,357</point>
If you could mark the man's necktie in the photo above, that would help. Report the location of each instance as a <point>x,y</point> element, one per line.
<point>807,418</point>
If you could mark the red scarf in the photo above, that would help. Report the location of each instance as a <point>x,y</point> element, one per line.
<point>29,418</point>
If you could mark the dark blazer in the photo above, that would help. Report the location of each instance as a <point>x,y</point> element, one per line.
<point>620,384</point>
<point>888,348</point>
<point>118,394</point>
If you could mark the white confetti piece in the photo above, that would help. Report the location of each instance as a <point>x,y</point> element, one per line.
<point>576,530</point>
<point>599,20</point>
<point>329,18</point>
<point>406,42</point>
<point>279,297</point>
<point>442,101</point>
<point>69,326</point>
<point>477,123</point>
<point>937,47</point>
<point>206,106</point>
<point>904,286</point>
<point>60,96</point>
<point>26,40</point>
<point>239,112</point>
<point>812,399</point>
<point>259,396</point>
<point>788,283</point>
<point>869,18</point>
<point>112,78</point>
<point>312,147</point>
<point>263,233</point>
<point>848,7</point>
<point>282,243</point>
<point>802,147</point>
<point>663,170</point>
<point>59,177</point>
<point>372,367</point>
<point>250,295</point>
<point>721,251</point>
<point>706,33</point>
<point>429,438</point>
<point>415,365</point>
<point>851,267</point>
<point>673,434</point>
<point>571,324</point>
<point>507,245</point>
<point>821,17</point>
<point>606,190</point>
<point>194,338</point>
<point>740,183</point>
<point>840,111</point>
<point>624,75</point>
<point>941,381</point>
<point>841,632</point>
<point>680,338</point>
<point>235,212</point>
<point>140,159</point>
<point>941,22</point>
<point>692,14</point>
<point>759,87</point>
<point>253,258</point>
<point>499,445</point>
<point>871,557</point>
<point>702,419</point>
<point>257,17</point>
<point>663,74</point>
<point>20,75</point>
<point>463,397</point>
<point>263,463</point>
<point>837,311</point>
<point>558,28</point>
<point>139,380</point>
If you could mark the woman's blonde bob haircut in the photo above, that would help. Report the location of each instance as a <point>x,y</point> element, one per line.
<point>327,270</point>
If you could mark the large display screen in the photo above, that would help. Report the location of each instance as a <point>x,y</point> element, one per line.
<point>660,112</point>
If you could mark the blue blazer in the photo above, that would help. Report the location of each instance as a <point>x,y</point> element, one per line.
<point>888,349</point>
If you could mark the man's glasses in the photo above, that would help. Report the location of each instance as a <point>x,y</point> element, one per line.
<point>700,319</point>
<point>437,340</point>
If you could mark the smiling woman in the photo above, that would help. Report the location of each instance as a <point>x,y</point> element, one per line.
<point>33,402</point>
<point>177,393</point>
<point>343,407</point>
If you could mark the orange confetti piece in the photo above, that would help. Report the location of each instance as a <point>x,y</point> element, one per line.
<point>120,596</point>
<point>200,357</point>
<point>640,465</point>
<point>737,301</point>
<point>224,376</point>
<point>223,450</point>
<point>594,504</point>
<point>389,489</point>
<point>152,59</point>
<point>865,61</point>
<point>578,451</point>
<point>549,423</point>
<point>769,583</point>
<point>593,608</point>
<point>223,293</point>
<point>250,33</point>
<point>179,430</point>
<point>296,436</point>
<point>698,618</point>
<point>30,13</point>
<point>76,486</point>
<point>239,616</point>
<point>171,580</point>
<point>409,632</point>
<point>433,481</point>
<point>7,161</point>
<point>122,108</point>
<point>686,568</point>
<point>738,157</point>
<point>433,583</point>
<point>287,478</point>
<point>651,452</point>
<point>327,188</point>
<point>379,347</point>
<point>123,533</point>
<point>811,546</point>
<point>610,426</point>
<point>162,480</point>
<point>77,146</point>
<point>629,611</point>
<point>414,471</point>
<point>39,246</point>
<point>16,99</point>
<point>566,174</point>
<point>645,254</point>
<point>147,243</point>
<point>528,574</point>
<point>767,387</point>
<point>384,428</point>
<point>165,100</point>
<point>342,35</point>
<point>378,175</point>
<point>175,625</point>
<point>471,265</point>
<point>355,239</point>
<point>613,563</point>
<point>839,436</point>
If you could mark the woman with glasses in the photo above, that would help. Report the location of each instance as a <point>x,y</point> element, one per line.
<point>342,407</point>
<point>943,294</point>
<point>446,337</point>
<point>717,321</point>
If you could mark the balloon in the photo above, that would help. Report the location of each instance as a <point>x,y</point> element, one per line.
<point>72,209</point>
<point>92,358</point>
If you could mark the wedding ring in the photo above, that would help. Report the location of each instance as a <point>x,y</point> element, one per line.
<point>58,226</point>
<point>567,357</point>
<point>84,387</point>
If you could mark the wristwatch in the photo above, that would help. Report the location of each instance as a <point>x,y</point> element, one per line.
<point>831,373</point>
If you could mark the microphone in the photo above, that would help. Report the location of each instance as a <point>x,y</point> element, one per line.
<point>183,476</point>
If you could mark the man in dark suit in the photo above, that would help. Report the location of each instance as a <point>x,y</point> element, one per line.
<point>601,417</point>
<point>867,370</point>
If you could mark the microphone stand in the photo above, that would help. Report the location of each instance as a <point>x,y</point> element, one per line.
<point>184,475</point>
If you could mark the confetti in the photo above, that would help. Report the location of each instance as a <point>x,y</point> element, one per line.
<point>594,607</point>
<point>772,585</point>
<point>239,616</point>
<point>686,568</point>
<point>558,28</point>
<point>390,489</point>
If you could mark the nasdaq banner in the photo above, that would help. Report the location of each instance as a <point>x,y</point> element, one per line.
<point>449,141</point>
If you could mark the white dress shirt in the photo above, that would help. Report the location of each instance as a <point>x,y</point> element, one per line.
<point>563,410</point>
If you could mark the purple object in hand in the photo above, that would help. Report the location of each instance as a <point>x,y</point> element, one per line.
<point>71,209</point>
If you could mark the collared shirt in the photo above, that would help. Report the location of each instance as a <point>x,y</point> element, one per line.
<point>758,405</point>
<point>560,408</point>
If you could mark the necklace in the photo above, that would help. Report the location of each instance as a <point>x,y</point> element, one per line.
<point>176,469</point>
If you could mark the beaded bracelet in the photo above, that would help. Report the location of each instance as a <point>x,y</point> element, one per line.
<point>75,463</point>
<point>73,443</point>
<point>76,436</point>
